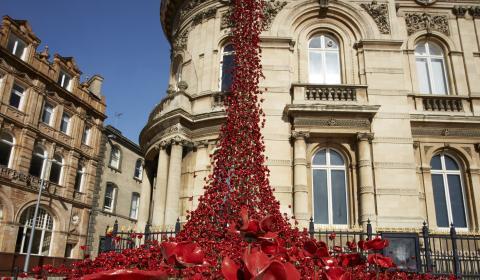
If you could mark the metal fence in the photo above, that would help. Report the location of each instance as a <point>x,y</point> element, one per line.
<point>421,251</point>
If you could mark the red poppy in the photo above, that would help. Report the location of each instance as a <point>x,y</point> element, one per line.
<point>332,236</point>
<point>182,254</point>
<point>376,244</point>
<point>230,269</point>
<point>352,245</point>
<point>380,260</point>
<point>127,274</point>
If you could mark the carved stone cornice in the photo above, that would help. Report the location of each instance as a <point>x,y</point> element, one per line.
<point>204,15</point>
<point>365,136</point>
<point>379,13</point>
<point>300,135</point>
<point>270,11</point>
<point>177,140</point>
<point>459,11</point>
<point>425,2</point>
<point>423,21</point>
<point>201,144</point>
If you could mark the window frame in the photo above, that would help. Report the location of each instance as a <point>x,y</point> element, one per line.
<point>430,73</point>
<point>115,148</point>
<point>17,40</point>
<point>46,218</point>
<point>44,161</point>
<point>80,172</point>
<point>87,129</point>
<point>222,57</point>
<point>67,130</point>
<point>60,163</point>
<point>21,95</point>
<point>139,167</point>
<point>328,167</point>
<point>11,144</point>
<point>137,196</point>
<point>61,80</point>
<point>323,51</point>
<point>110,208</point>
<point>444,173</point>
<point>52,113</point>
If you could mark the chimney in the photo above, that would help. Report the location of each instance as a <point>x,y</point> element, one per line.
<point>95,85</point>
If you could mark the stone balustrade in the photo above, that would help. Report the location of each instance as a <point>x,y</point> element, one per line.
<point>314,93</point>
<point>444,104</point>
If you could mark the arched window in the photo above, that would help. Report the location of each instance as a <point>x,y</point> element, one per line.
<point>431,71</point>
<point>39,159</point>
<point>227,64</point>
<point>6,149</point>
<point>323,60</point>
<point>109,198</point>
<point>447,183</point>
<point>56,170</point>
<point>79,178</point>
<point>138,174</point>
<point>329,188</point>
<point>43,232</point>
<point>115,157</point>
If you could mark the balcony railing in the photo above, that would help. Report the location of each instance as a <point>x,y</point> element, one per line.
<point>314,93</point>
<point>444,104</point>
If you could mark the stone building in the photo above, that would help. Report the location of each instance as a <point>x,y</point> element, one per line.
<point>50,128</point>
<point>117,197</point>
<point>372,110</point>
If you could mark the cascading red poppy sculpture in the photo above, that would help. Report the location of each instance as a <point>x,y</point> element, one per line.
<point>237,231</point>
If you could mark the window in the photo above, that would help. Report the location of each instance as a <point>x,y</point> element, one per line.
<point>86,135</point>
<point>227,64</point>
<point>64,80</point>
<point>134,206</point>
<point>16,97</point>
<point>65,123</point>
<point>329,188</point>
<point>6,149</point>
<point>47,114</point>
<point>37,165</point>
<point>79,178</point>
<point>43,232</point>
<point>69,250</point>
<point>431,72</point>
<point>115,157</point>
<point>324,60</point>
<point>109,199</point>
<point>138,169</point>
<point>56,170</point>
<point>447,183</point>
<point>16,46</point>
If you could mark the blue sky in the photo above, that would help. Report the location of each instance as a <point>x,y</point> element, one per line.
<point>122,40</point>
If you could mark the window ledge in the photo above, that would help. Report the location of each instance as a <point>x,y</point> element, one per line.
<point>115,169</point>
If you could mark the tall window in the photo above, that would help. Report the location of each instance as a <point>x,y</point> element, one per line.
<point>227,64</point>
<point>447,183</point>
<point>16,97</point>
<point>16,46</point>
<point>39,159</point>
<point>65,123</point>
<point>43,232</point>
<point>109,199</point>
<point>134,206</point>
<point>6,149</point>
<point>64,80</point>
<point>323,60</point>
<point>431,71</point>
<point>47,114</point>
<point>115,157</point>
<point>56,170</point>
<point>329,188</point>
<point>86,134</point>
<point>138,170</point>
<point>79,178</point>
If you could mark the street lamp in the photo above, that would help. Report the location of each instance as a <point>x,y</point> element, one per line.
<point>37,205</point>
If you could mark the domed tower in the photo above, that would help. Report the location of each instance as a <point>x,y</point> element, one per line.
<point>349,86</point>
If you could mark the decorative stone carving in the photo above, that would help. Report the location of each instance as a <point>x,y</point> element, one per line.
<point>323,7</point>
<point>425,2</point>
<point>182,86</point>
<point>270,11</point>
<point>474,11</point>
<point>204,15</point>
<point>459,11</point>
<point>354,123</point>
<point>300,134</point>
<point>188,7</point>
<point>365,136</point>
<point>180,40</point>
<point>417,21</point>
<point>379,13</point>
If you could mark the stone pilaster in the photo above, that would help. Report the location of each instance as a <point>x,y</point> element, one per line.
<point>201,170</point>
<point>300,190</point>
<point>159,200</point>
<point>366,188</point>
<point>172,204</point>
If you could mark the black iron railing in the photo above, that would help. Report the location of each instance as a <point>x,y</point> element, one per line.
<point>421,252</point>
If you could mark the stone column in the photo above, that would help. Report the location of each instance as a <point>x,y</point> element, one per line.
<point>201,170</point>
<point>300,190</point>
<point>159,199</point>
<point>366,189</point>
<point>144,207</point>
<point>172,204</point>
